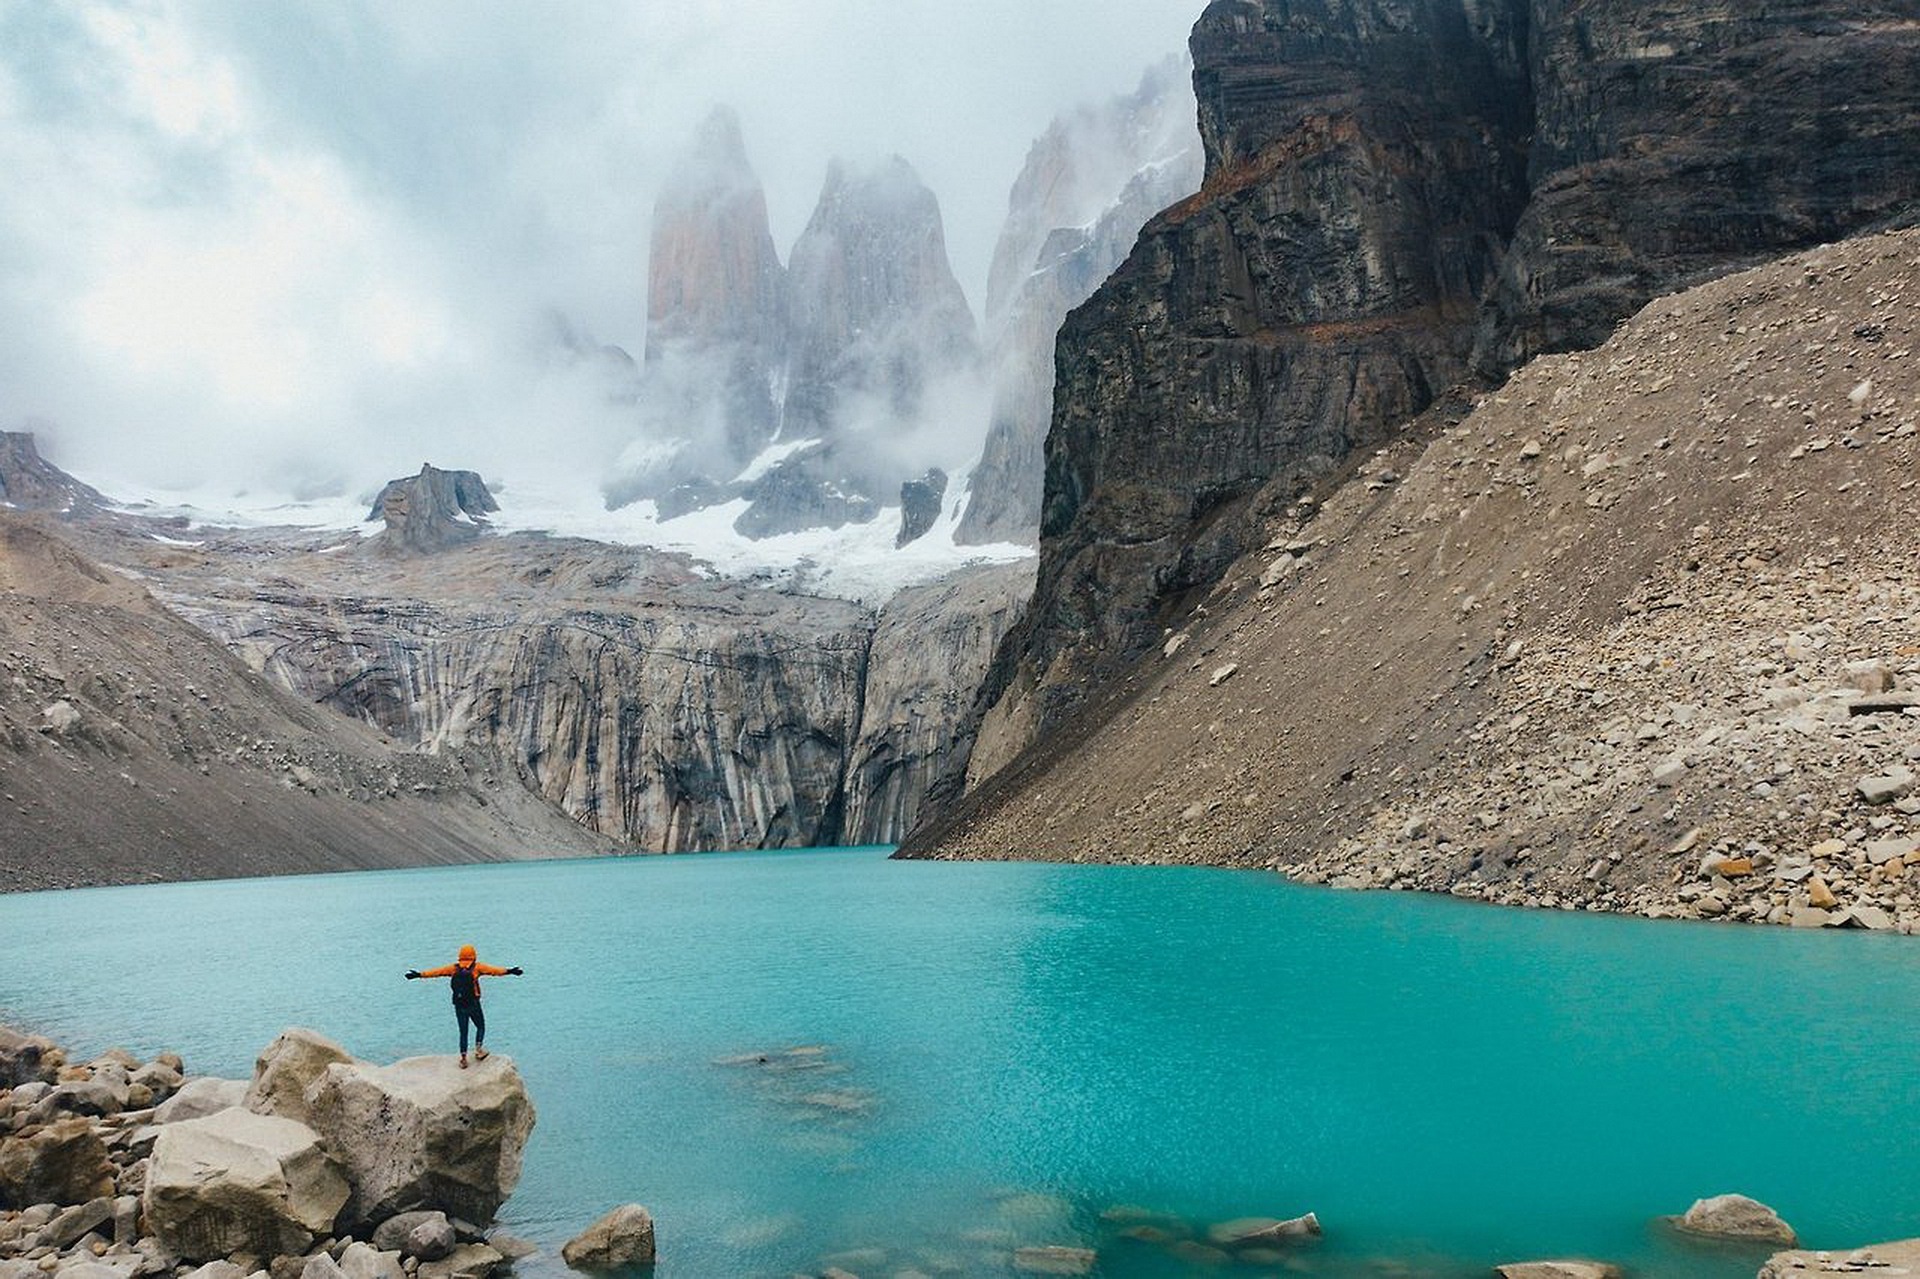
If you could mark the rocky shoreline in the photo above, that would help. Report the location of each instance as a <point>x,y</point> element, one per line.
<point>320,1166</point>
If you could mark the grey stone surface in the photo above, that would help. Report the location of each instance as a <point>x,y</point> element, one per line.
<point>237,1182</point>
<point>422,1133</point>
<point>623,1237</point>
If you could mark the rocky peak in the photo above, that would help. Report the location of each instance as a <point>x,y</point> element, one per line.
<point>29,482</point>
<point>432,510</point>
<point>920,505</point>
<point>871,268</point>
<point>712,273</point>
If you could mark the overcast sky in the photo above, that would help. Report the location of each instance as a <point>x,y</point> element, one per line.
<point>283,243</point>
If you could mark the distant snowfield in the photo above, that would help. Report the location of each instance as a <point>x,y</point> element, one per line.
<point>857,561</point>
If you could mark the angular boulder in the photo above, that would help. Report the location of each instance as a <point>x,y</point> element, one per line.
<point>239,1182</point>
<point>1736,1217</point>
<point>622,1238</point>
<point>423,1133</point>
<point>25,1058</point>
<point>468,1261</point>
<point>66,1162</point>
<point>287,1068</point>
<point>198,1098</point>
<point>1558,1270</point>
<point>361,1261</point>
<point>392,1235</point>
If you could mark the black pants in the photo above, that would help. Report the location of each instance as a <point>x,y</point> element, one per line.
<point>471,1013</point>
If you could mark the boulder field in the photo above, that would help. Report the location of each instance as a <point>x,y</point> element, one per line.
<point>321,1166</point>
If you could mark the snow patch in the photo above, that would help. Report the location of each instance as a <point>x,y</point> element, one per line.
<point>770,457</point>
<point>856,561</point>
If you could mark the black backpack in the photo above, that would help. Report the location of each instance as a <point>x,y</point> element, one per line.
<point>466,984</point>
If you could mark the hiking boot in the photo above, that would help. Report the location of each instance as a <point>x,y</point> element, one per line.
<point>463,1061</point>
<point>479,1054</point>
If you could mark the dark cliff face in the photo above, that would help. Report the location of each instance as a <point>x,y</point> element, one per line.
<point>1401,194</point>
<point>1674,140</point>
<point>1361,173</point>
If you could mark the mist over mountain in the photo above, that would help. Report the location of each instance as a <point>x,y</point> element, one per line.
<point>853,380</point>
<point>807,393</point>
<point>254,255</point>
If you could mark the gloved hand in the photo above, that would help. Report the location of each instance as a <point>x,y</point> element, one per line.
<point>516,971</point>
<point>412,973</point>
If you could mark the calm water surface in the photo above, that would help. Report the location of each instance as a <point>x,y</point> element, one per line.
<point>1005,1052</point>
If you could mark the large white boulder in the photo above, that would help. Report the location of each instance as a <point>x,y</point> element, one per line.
<point>198,1098</point>
<point>239,1182</point>
<point>423,1133</point>
<point>287,1069</point>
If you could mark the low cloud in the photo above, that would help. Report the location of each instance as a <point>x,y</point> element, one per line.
<point>307,246</point>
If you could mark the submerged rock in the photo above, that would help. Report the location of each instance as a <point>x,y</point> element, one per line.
<point>1054,1259</point>
<point>1879,1258</point>
<point>1736,1217</point>
<point>622,1238</point>
<point>1258,1232</point>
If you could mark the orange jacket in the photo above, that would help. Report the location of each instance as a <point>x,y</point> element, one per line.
<point>479,970</point>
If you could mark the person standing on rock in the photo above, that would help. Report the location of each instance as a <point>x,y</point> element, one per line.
<point>466,973</point>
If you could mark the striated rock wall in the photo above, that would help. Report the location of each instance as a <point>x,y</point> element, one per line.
<point>691,719</point>
<point>931,646</point>
<point>649,705</point>
<point>136,748</point>
<point>1399,196</point>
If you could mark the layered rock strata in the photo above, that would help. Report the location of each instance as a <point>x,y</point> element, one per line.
<point>650,705</point>
<point>1396,197</point>
<point>515,696</point>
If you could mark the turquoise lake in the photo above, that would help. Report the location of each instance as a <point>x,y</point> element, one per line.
<point>1003,1052</point>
